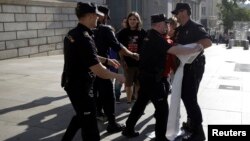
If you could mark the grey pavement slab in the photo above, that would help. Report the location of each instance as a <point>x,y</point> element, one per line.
<point>34,107</point>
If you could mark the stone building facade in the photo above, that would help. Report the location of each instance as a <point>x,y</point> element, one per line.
<point>31,28</point>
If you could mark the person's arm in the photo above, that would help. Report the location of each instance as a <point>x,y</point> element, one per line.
<point>102,72</point>
<point>111,62</point>
<point>122,61</point>
<point>124,51</point>
<point>205,42</point>
<point>117,46</point>
<point>203,37</point>
<point>180,50</point>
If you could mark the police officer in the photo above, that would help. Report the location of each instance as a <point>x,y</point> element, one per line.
<point>81,63</point>
<point>191,32</point>
<point>151,66</point>
<point>105,39</point>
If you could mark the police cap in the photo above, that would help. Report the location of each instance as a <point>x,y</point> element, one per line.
<point>105,10</point>
<point>158,18</point>
<point>84,8</point>
<point>181,6</point>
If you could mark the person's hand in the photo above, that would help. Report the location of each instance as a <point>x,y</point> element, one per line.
<point>120,78</point>
<point>135,56</point>
<point>114,63</point>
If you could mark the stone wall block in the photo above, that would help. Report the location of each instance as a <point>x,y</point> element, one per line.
<point>25,17</point>
<point>27,50</point>
<point>50,25</point>
<point>5,54</point>
<point>16,43</point>
<point>53,10</point>
<point>26,34</point>
<point>68,10</point>
<point>59,46</point>
<point>7,36</point>
<point>46,32</point>
<point>7,17</point>
<point>36,25</point>
<point>54,39</point>
<point>69,24</point>
<point>15,26</point>
<point>37,41</point>
<point>2,45</point>
<point>1,26</point>
<point>61,17</point>
<point>35,9</point>
<point>13,8</point>
<point>47,47</point>
<point>72,17</point>
<point>44,17</point>
<point>62,31</point>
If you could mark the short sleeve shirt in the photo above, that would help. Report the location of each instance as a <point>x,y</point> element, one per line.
<point>79,51</point>
<point>153,53</point>
<point>105,39</point>
<point>132,40</point>
<point>191,32</point>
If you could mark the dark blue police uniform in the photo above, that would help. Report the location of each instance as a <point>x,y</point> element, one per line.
<point>192,32</point>
<point>79,55</point>
<point>152,87</point>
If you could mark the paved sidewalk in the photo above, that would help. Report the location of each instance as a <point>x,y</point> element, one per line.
<point>33,107</point>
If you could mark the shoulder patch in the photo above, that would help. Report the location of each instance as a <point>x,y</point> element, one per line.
<point>70,38</point>
<point>86,34</point>
<point>203,29</point>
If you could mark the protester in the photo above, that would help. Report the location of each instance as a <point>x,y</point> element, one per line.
<point>132,38</point>
<point>104,40</point>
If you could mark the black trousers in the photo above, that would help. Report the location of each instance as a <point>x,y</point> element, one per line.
<point>105,98</point>
<point>190,85</point>
<point>81,97</point>
<point>157,92</point>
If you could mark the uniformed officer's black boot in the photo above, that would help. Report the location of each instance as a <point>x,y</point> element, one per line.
<point>197,134</point>
<point>130,133</point>
<point>186,126</point>
<point>115,127</point>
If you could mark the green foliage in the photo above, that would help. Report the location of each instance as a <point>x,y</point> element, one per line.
<point>229,12</point>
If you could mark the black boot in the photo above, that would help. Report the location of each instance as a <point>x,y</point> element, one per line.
<point>115,127</point>
<point>197,134</point>
<point>130,133</point>
<point>186,126</point>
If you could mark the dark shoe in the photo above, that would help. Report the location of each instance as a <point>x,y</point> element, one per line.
<point>130,133</point>
<point>186,126</point>
<point>115,127</point>
<point>197,135</point>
